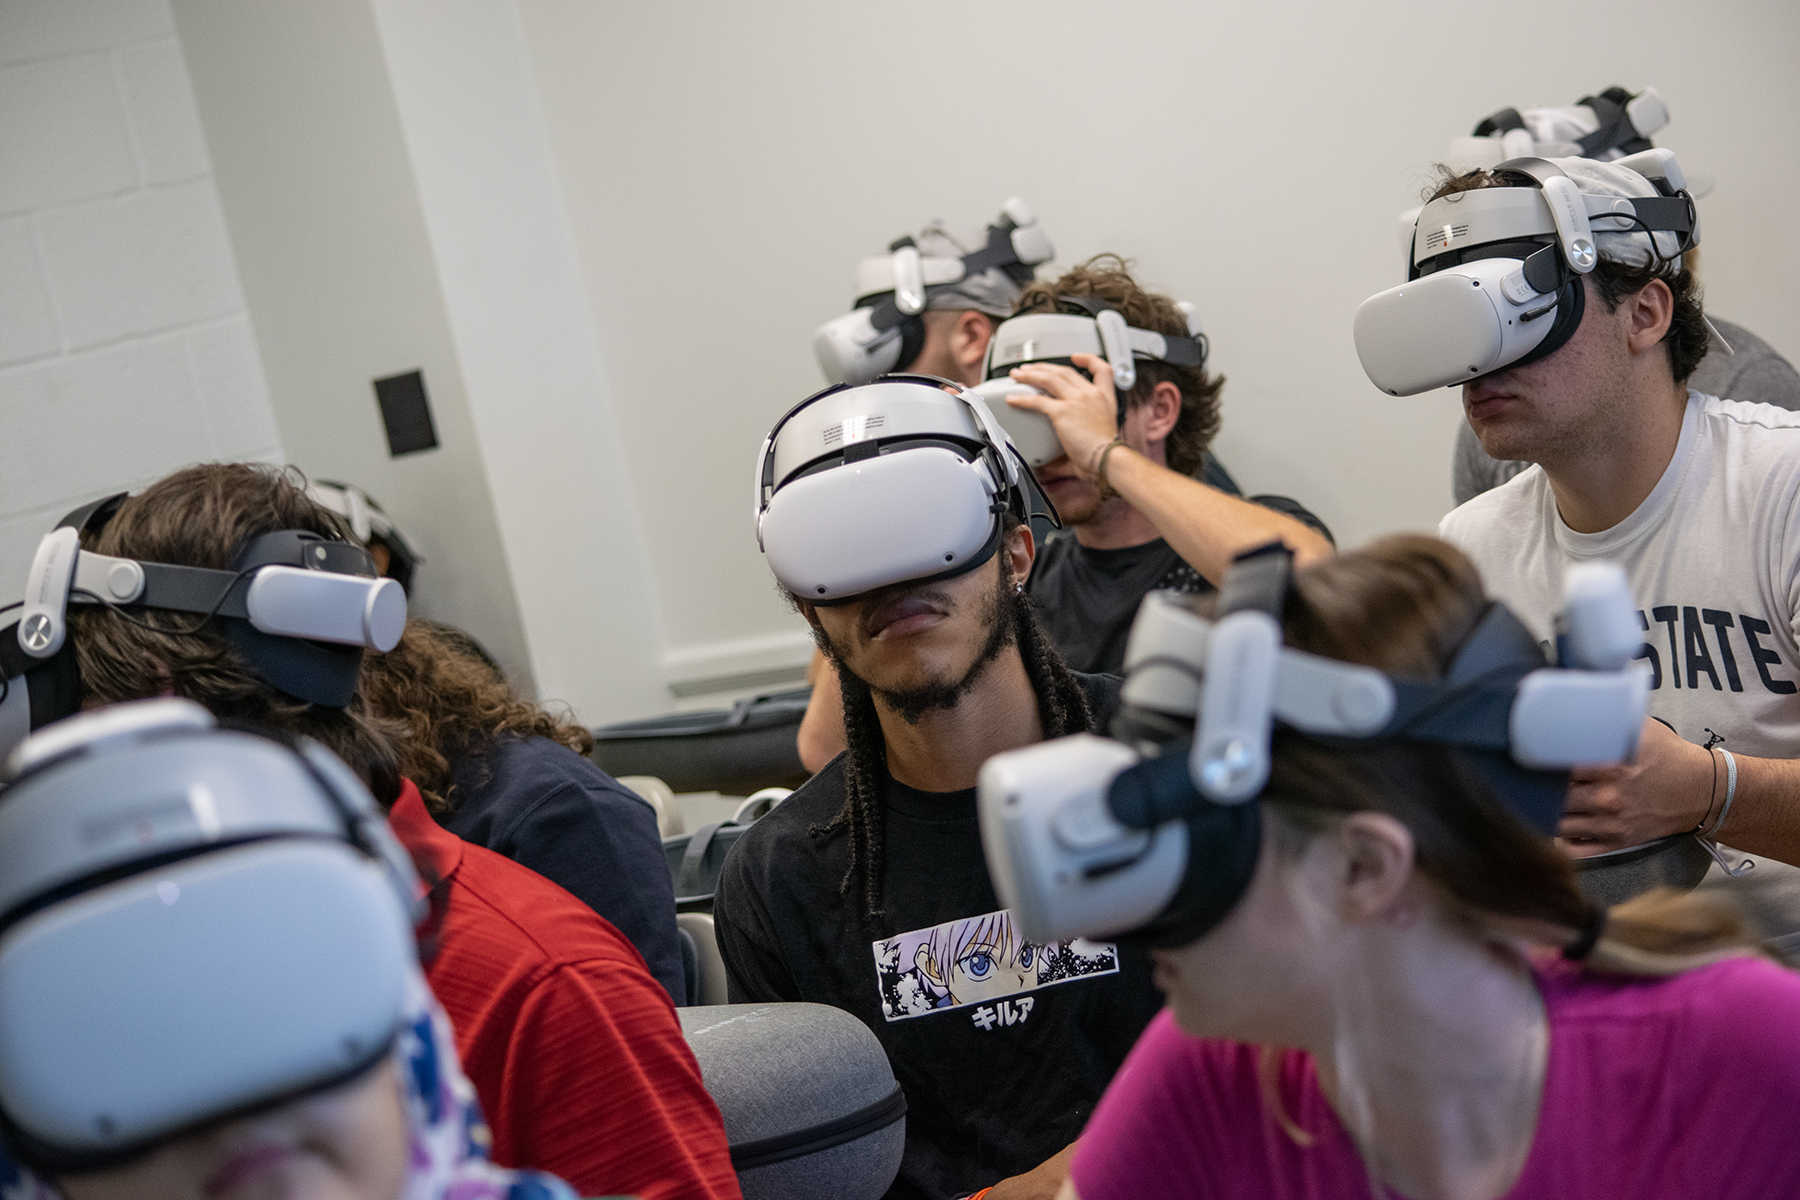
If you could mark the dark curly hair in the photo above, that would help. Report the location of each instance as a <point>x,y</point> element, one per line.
<point>202,517</point>
<point>1686,339</point>
<point>454,702</point>
<point>1107,277</point>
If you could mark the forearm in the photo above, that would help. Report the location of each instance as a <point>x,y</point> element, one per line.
<point>1765,813</point>
<point>1043,1182</point>
<point>1204,525</point>
<point>821,735</point>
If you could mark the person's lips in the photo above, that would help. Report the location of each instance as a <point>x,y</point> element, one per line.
<point>247,1165</point>
<point>903,615</point>
<point>1486,397</point>
<point>1058,479</point>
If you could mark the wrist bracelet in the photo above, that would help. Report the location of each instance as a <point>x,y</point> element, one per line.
<point>1712,790</point>
<point>1106,489</point>
<point>1730,791</point>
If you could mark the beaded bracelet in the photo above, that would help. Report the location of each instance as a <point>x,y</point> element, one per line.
<point>1106,489</point>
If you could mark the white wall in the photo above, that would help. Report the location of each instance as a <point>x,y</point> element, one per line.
<point>726,165</point>
<point>125,351</point>
<point>323,209</point>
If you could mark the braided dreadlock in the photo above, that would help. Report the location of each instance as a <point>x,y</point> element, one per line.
<point>1062,709</point>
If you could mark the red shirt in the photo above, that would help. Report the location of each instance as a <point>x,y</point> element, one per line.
<point>572,1046</point>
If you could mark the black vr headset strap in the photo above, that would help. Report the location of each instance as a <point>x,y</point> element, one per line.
<point>1258,580</point>
<point>195,590</point>
<point>92,517</point>
<point>998,253</point>
<point>1615,132</point>
<point>1471,706</point>
<point>1504,121</point>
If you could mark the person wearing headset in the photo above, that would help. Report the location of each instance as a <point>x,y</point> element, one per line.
<point>947,337</point>
<point>247,967</point>
<point>931,303</point>
<point>1738,364</point>
<point>573,1047</point>
<point>1160,527</point>
<point>1402,991</point>
<point>1138,520</point>
<point>906,550</point>
<point>1553,291</point>
<point>372,527</point>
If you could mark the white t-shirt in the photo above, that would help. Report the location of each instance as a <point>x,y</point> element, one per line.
<point>1713,556</point>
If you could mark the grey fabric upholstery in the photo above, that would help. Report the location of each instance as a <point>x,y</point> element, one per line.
<point>779,1070</point>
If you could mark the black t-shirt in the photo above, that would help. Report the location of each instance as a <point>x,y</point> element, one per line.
<point>1087,599</point>
<point>1003,1049</point>
<point>547,808</point>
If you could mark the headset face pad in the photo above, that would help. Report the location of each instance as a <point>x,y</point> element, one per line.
<point>193,925</point>
<point>904,480</point>
<point>1523,249</point>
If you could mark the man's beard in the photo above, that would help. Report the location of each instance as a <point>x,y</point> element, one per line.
<point>911,704</point>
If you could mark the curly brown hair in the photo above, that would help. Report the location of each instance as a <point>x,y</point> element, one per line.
<point>1687,337</point>
<point>454,702</point>
<point>1107,278</point>
<point>202,517</point>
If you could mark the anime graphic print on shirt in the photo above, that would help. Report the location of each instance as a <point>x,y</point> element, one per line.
<point>980,961</point>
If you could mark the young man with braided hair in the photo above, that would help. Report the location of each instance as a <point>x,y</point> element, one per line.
<point>866,889</point>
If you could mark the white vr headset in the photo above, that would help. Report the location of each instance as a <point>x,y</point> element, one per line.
<point>194,923</point>
<point>1055,337</point>
<point>1495,273</point>
<point>1615,123</point>
<point>302,608</point>
<point>1087,836</point>
<point>884,331</point>
<point>906,479</point>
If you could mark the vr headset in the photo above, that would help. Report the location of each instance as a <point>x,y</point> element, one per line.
<point>1154,837</point>
<point>302,608</point>
<point>1495,273</point>
<point>195,923</point>
<point>1615,124</point>
<point>370,525</point>
<point>1089,327</point>
<point>906,479</point>
<point>884,330</point>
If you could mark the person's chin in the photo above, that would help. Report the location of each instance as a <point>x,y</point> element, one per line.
<point>1076,500</point>
<point>903,664</point>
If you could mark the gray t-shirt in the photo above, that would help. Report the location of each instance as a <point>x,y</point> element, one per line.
<point>1755,374</point>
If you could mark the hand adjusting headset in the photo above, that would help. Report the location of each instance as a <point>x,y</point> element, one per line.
<point>1087,326</point>
<point>1088,836</point>
<point>1496,273</point>
<point>195,923</point>
<point>301,607</point>
<point>906,479</point>
<point>884,330</point>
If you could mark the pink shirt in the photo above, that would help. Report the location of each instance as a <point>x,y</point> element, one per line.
<point>1686,1087</point>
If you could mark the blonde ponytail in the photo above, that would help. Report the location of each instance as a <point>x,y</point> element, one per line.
<point>1665,932</point>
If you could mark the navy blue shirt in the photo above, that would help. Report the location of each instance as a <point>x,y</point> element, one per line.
<point>547,808</point>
